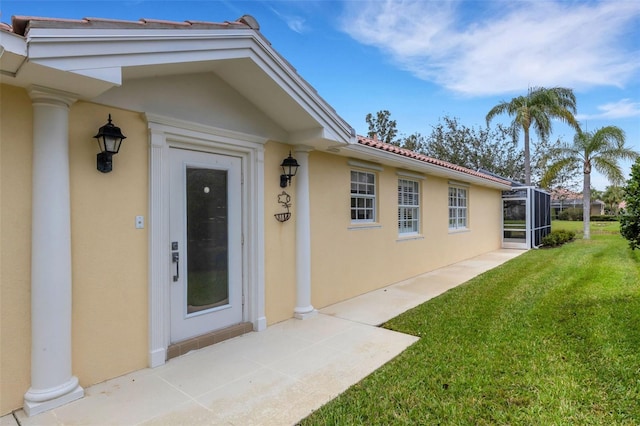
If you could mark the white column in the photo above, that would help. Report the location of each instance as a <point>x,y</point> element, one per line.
<point>52,383</point>
<point>303,308</point>
<point>159,271</point>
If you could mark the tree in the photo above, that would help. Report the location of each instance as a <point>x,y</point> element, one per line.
<point>414,142</point>
<point>382,127</point>
<point>630,220</point>
<point>546,153</point>
<point>482,148</point>
<point>600,150</point>
<point>537,109</point>
<point>612,197</point>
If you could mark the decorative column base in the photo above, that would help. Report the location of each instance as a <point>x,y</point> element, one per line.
<point>305,313</point>
<point>39,401</point>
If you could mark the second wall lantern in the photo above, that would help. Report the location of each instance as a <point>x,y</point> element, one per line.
<point>289,168</point>
<point>109,140</point>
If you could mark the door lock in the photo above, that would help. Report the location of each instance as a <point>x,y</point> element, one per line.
<point>175,258</point>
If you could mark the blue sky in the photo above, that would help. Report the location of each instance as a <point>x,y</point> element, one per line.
<point>422,60</point>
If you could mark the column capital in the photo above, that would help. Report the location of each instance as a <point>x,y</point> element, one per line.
<point>46,96</point>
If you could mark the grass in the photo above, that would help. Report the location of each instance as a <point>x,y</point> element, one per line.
<point>550,338</point>
<point>596,227</point>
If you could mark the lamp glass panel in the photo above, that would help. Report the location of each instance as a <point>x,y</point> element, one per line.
<point>111,143</point>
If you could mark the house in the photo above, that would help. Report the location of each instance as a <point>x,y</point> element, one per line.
<point>116,262</point>
<point>563,199</point>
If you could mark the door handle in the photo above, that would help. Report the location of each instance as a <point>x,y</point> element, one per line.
<point>175,258</point>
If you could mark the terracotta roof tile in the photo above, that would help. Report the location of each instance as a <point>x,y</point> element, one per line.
<point>20,24</point>
<point>374,143</point>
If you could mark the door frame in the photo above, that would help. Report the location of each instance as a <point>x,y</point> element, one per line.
<point>527,199</point>
<point>166,133</point>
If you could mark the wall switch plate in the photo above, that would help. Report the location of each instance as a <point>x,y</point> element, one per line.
<point>139,222</point>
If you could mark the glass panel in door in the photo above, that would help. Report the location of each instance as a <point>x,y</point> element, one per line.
<point>514,222</point>
<point>207,239</point>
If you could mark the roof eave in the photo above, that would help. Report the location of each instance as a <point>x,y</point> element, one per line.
<point>400,161</point>
<point>85,51</point>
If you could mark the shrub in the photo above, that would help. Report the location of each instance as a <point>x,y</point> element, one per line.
<point>605,218</point>
<point>572,213</point>
<point>558,238</point>
<point>630,220</point>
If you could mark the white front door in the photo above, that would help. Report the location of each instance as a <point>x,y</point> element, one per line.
<point>206,242</point>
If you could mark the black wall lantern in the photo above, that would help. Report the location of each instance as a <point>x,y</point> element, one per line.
<point>109,140</point>
<point>289,168</point>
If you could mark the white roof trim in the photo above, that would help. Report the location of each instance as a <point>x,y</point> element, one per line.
<point>87,51</point>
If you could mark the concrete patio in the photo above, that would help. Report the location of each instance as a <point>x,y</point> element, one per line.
<point>275,377</point>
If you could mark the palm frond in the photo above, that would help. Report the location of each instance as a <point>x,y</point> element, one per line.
<point>556,168</point>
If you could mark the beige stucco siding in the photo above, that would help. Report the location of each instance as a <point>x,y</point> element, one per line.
<point>349,259</point>
<point>15,245</point>
<point>280,239</point>
<point>110,260</point>
<point>110,256</point>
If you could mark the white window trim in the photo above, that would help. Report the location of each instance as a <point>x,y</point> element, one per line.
<point>414,206</point>
<point>365,165</point>
<point>374,220</point>
<point>410,175</point>
<point>456,228</point>
<point>459,184</point>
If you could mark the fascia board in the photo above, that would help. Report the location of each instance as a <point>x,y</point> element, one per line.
<point>76,50</point>
<point>281,72</point>
<point>396,160</point>
<point>13,43</point>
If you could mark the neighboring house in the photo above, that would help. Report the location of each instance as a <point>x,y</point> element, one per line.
<point>562,199</point>
<point>185,241</point>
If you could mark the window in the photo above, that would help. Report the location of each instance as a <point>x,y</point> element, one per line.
<point>408,206</point>
<point>363,196</point>
<point>457,208</point>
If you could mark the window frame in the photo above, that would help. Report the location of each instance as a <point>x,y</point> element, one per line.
<point>458,208</point>
<point>404,207</point>
<point>370,199</point>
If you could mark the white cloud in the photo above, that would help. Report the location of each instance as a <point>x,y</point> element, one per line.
<point>624,108</point>
<point>488,48</point>
<point>294,22</point>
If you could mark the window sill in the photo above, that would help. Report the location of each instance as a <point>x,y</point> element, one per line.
<point>361,226</point>
<point>403,238</point>
<point>459,231</point>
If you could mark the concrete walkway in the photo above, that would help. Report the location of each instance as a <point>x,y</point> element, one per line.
<point>275,377</point>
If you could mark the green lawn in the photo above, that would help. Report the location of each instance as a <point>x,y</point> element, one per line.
<point>550,338</point>
<point>596,227</point>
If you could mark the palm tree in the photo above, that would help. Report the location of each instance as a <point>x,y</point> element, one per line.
<point>612,197</point>
<point>537,109</point>
<point>600,150</point>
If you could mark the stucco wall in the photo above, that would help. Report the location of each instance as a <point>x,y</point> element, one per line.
<point>348,260</point>
<point>15,246</point>
<point>280,239</point>
<point>110,256</point>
